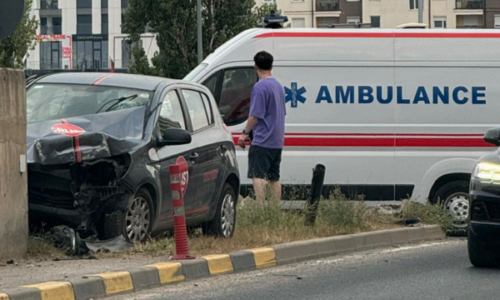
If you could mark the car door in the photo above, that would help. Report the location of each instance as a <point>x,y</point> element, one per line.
<point>207,156</point>
<point>171,115</point>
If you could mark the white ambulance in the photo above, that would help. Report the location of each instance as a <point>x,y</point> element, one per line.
<point>392,114</point>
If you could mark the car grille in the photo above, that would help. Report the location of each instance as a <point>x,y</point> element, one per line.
<point>493,210</point>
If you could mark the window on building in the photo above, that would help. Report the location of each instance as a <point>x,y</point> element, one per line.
<point>171,115</point>
<point>440,22</point>
<point>84,24</point>
<point>50,55</point>
<point>104,24</point>
<point>497,21</point>
<point>375,21</point>
<point>90,55</point>
<point>84,3</point>
<point>298,22</point>
<point>104,3</point>
<point>198,113</point>
<point>353,20</point>
<point>353,0</point>
<point>414,4</point>
<point>56,25</point>
<point>127,57</point>
<point>43,26</point>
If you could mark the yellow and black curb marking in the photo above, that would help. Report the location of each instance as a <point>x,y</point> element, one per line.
<point>155,275</point>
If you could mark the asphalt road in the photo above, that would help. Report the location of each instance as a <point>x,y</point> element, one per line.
<point>429,271</point>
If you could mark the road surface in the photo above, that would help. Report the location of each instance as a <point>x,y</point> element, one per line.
<point>429,271</point>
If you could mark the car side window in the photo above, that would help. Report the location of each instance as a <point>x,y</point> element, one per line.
<point>235,94</point>
<point>197,111</point>
<point>208,108</point>
<point>171,112</point>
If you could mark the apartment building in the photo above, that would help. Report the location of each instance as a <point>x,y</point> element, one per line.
<point>319,13</point>
<point>492,13</point>
<point>83,34</point>
<point>437,13</point>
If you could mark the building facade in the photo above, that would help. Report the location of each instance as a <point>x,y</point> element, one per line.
<point>437,13</point>
<point>492,13</point>
<point>318,13</point>
<point>83,34</point>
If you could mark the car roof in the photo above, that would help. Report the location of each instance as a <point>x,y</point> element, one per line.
<point>141,82</point>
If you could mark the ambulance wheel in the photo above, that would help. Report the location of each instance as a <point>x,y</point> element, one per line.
<point>454,198</point>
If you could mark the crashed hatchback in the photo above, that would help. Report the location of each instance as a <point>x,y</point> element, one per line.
<point>99,148</point>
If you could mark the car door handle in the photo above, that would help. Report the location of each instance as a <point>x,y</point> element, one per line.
<point>194,156</point>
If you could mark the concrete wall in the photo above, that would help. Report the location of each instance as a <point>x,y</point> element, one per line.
<point>13,175</point>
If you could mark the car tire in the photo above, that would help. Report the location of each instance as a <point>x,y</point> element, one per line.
<point>480,254</point>
<point>224,222</point>
<point>135,223</point>
<point>454,197</point>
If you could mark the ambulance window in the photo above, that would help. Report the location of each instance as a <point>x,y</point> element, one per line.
<point>234,102</point>
<point>211,83</point>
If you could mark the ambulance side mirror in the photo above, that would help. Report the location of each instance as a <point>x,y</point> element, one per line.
<point>492,136</point>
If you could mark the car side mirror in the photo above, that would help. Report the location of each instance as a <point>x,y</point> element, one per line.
<point>175,136</point>
<point>492,136</point>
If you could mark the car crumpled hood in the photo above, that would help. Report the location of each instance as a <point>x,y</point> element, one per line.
<point>103,135</point>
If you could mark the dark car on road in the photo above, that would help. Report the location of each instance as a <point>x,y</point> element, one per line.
<point>99,148</point>
<point>484,223</point>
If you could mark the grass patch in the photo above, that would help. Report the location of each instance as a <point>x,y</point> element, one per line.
<point>428,214</point>
<point>41,248</point>
<point>267,224</point>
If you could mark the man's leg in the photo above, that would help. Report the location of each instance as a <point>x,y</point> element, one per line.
<point>274,176</point>
<point>258,165</point>
<point>259,185</point>
<point>275,191</point>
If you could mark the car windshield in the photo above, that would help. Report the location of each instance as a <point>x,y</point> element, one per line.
<point>58,101</point>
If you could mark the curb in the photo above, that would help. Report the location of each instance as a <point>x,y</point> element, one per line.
<point>156,275</point>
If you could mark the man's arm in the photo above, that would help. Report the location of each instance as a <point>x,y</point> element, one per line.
<point>244,136</point>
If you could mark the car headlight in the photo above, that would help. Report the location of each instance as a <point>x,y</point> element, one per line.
<point>487,173</point>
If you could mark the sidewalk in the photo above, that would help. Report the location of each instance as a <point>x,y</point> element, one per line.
<point>33,271</point>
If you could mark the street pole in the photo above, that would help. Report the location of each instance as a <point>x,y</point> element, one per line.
<point>421,11</point>
<point>200,38</point>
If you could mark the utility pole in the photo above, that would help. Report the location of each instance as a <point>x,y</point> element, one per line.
<point>200,37</point>
<point>420,11</point>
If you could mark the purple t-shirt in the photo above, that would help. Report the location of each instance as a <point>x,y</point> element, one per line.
<point>268,106</point>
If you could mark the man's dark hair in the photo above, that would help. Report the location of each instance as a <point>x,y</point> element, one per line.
<point>264,60</point>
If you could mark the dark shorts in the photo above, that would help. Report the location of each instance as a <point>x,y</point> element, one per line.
<point>264,163</point>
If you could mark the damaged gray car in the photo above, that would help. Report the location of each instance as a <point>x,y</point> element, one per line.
<point>99,148</point>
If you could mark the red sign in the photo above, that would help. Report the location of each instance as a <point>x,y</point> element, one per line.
<point>182,163</point>
<point>67,130</point>
<point>66,52</point>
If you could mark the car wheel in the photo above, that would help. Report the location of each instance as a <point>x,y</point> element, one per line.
<point>480,254</point>
<point>224,222</point>
<point>454,197</point>
<point>135,223</point>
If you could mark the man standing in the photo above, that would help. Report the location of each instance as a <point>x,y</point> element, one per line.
<point>267,120</point>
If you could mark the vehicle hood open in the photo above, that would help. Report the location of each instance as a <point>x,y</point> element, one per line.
<point>85,138</point>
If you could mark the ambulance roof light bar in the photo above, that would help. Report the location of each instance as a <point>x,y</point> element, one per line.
<point>273,21</point>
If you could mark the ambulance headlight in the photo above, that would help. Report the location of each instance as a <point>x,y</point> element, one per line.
<point>487,173</point>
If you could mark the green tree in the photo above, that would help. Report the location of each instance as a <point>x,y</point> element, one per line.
<point>265,10</point>
<point>14,48</point>
<point>174,23</point>
<point>141,63</point>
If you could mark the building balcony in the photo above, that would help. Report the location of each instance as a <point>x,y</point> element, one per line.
<point>470,26</point>
<point>328,5</point>
<point>49,4</point>
<point>469,4</point>
<point>48,30</point>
